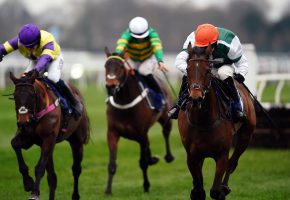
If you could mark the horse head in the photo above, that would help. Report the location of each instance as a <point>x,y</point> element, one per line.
<point>25,97</point>
<point>116,71</point>
<point>199,73</point>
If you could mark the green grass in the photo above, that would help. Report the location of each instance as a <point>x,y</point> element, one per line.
<point>261,175</point>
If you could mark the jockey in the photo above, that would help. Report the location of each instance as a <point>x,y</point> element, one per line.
<point>226,45</point>
<point>144,50</point>
<point>41,47</point>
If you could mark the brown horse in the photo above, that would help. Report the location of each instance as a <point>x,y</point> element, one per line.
<point>39,121</point>
<point>129,116</point>
<point>207,130</point>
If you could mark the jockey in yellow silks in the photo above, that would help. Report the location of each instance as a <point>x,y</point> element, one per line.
<point>41,47</point>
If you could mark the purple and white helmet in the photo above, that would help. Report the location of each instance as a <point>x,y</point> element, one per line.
<point>29,35</point>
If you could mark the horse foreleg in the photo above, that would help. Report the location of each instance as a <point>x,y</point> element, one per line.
<point>217,191</point>
<point>145,160</point>
<point>17,143</point>
<point>195,167</point>
<point>46,152</point>
<point>112,166</point>
<point>51,177</point>
<point>166,129</point>
<point>242,142</point>
<point>77,150</point>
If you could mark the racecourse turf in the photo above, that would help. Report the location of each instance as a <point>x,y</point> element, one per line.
<point>262,174</point>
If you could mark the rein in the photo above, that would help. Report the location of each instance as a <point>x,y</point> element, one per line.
<point>49,107</point>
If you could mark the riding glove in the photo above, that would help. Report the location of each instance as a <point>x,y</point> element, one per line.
<point>239,77</point>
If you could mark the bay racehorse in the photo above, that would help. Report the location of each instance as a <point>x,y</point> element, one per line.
<point>129,116</point>
<point>39,121</point>
<point>206,127</point>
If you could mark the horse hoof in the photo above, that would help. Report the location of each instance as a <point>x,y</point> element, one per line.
<point>169,158</point>
<point>153,160</point>
<point>108,193</point>
<point>226,189</point>
<point>33,197</point>
<point>217,194</point>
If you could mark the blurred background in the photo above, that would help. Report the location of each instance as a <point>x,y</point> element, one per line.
<point>84,27</point>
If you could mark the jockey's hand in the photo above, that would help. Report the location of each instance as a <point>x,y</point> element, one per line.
<point>1,57</point>
<point>239,77</point>
<point>31,72</point>
<point>162,67</point>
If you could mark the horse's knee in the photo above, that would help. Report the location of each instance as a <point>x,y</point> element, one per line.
<point>15,143</point>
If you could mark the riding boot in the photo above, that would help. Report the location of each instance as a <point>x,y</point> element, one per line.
<point>236,105</point>
<point>159,97</point>
<point>182,98</point>
<point>64,90</point>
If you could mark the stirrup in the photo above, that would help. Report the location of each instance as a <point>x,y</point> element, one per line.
<point>173,112</point>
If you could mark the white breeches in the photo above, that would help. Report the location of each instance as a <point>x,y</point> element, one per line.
<point>146,67</point>
<point>53,69</point>
<point>223,72</point>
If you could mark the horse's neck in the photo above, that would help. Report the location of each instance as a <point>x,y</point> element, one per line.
<point>42,93</point>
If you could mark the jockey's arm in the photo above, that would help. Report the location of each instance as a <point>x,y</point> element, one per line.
<point>43,61</point>
<point>180,61</point>
<point>237,56</point>
<point>8,46</point>
<point>46,57</point>
<point>242,66</point>
<point>122,42</point>
<point>181,58</point>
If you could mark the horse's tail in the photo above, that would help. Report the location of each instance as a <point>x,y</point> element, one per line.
<point>84,125</point>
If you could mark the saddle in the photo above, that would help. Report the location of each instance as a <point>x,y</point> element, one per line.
<point>154,99</point>
<point>65,106</point>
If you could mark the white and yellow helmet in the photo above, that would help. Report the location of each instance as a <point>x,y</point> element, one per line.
<point>138,27</point>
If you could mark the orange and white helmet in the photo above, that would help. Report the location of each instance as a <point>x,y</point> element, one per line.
<point>138,27</point>
<point>205,34</point>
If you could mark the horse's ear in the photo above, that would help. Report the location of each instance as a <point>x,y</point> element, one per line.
<point>208,50</point>
<point>189,48</point>
<point>13,78</point>
<point>107,52</point>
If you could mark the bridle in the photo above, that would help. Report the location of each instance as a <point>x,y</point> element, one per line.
<point>205,89</point>
<point>128,71</point>
<point>196,85</point>
<point>115,76</point>
<point>23,111</point>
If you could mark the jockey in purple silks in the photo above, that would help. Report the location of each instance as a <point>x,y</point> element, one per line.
<point>41,47</point>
